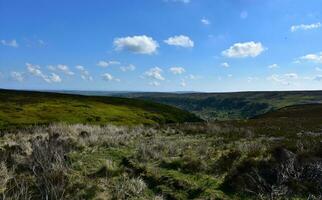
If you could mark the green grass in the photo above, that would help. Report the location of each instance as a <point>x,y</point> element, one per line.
<point>227,106</point>
<point>18,108</point>
<point>216,160</point>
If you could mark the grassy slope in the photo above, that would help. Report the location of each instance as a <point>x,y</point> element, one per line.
<point>185,161</point>
<point>311,111</point>
<point>23,107</point>
<point>239,105</point>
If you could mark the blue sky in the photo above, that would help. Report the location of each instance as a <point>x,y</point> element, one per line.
<point>161,45</point>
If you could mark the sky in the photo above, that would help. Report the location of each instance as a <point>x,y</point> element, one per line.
<point>161,45</point>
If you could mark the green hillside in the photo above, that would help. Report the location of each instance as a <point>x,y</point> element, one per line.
<point>236,105</point>
<point>275,156</point>
<point>305,112</point>
<point>26,107</point>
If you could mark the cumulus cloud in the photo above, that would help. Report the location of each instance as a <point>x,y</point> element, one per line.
<point>103,63</point>
<point>65,69</point>
<point>180,40</point>
<point>305,27</point>
<point>155,73</point>
<point>140,44</point>
<point>272,66</point>
<point>109,77</point>
<point>84,73</point>
<point>317,58</point>
<point>129,67</point>
<point>177,70</point>
<point>36,71</point>
<point>12,43</point>
<point>243,50</point>
<point>17,76</point>
<point>225,64</point>
<point>205,21</point>
<point>55,78</point>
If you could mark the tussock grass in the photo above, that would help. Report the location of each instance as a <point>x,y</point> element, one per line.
<point>255,159</point>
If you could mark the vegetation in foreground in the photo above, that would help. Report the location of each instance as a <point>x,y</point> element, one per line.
<point>254,159</point>
<point>229,106</point>
<point>19,108</point>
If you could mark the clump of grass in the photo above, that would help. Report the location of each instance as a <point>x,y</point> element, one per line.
<point>126,187</point>
<point>4,177</point>
<point>108,169</point>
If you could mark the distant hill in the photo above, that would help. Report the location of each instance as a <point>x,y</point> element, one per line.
<point>19,108</point>
<point>308,111</point>
<point>235,105</point>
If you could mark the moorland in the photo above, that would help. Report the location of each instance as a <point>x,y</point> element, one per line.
<point>50,149</point>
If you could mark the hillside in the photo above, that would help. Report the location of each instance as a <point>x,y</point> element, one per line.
<point>306,111</point>
<point>26,107</point>
<point>265,158</point>
<point>236,105</point>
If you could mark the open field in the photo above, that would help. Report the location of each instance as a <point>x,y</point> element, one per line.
<point>263,158</point>
<point>226,106</point>
<point>18,108</point>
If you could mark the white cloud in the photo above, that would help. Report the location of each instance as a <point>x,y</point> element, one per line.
<point>154,83</point>
<point>129,67</point>
<point>205,21</point>
<point>17,76</point>
<point>229,75</point>
<point>180,40</point>
<point>84,73</point>
<point>246,49</point>
<point>109,77</point>
<point>225,64</point>
<point>272,66</point>
<point>317,58</point>
<point>12,43</point>
<point>140,44</point>
<point>36,71</point>
<point>54,78</point>
<point>305,27</point>
<point>103,63</point>
<point>155,73</point>
<point>65,69</point>
<point>177,70</point>
<point>244,14</point>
